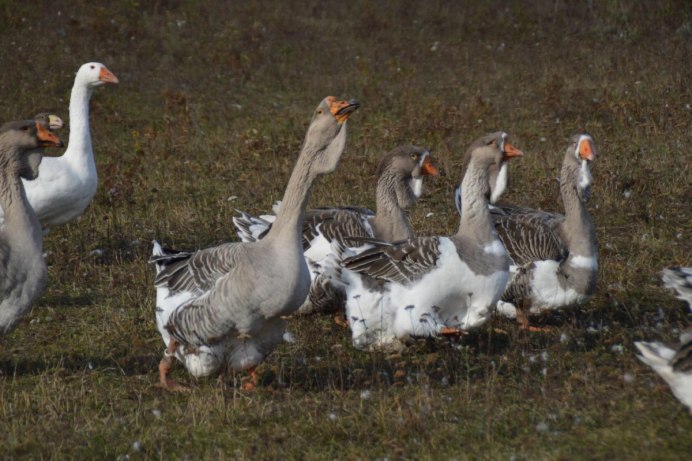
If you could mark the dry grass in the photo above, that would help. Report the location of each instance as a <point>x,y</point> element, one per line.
<point>213,102</point>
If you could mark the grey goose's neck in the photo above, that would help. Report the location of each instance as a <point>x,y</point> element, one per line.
<point>289,220</point>
<point>578,228</point>
<point>580,269</point>
<point>20,222</point>
<point>475,218</point>
<point>79,150</point>
<point>394,197</point>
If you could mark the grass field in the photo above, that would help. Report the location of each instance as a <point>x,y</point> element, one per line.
<point>212,107</point>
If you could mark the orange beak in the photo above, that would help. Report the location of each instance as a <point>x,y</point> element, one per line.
<point>510,152</point>
<point>586,151</point>
<point>107,76</point>
<point>47,138</point>
<point>428,168</point>
<point>342,110</point>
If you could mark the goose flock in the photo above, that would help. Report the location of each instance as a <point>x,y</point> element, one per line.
<point>225,307</point>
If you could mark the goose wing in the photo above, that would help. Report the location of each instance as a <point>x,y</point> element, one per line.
<point>682,360</point>
<point>530,235</point>
<point>399,262</point>
<point>195,272</point>
<point>336,224</point>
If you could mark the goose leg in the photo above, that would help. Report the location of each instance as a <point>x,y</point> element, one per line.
<point>165,368</point>
<point>341,320</point>
<point>249,384</point>
<point>452,332</point>
<point>523,320</point>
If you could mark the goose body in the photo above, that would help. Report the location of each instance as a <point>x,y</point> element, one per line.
<point>673,363</point>
<point>400,176</point>
<point>67,184</point>
<point>554,261</point>
<point>431,285</point>
<point>23,271</point>
<point>223,306</point>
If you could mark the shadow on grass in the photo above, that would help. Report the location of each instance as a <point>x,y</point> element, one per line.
<point>49,300</point>
<point>126,365</point>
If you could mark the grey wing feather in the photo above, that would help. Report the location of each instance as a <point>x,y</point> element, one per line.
<point>251,228</point>
<point>335,224</point>
<point>195,272</point>
<point>530,237</point>
<point>400,262</point>
<point>682,360</point>
<point>679,279</point>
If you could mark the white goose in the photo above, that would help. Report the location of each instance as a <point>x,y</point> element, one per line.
<point>224,306</point>
<point>399,185</point>
<point>432,285</point>
<point>554,257</point>
<point>67,184</point>
<point>673,364</point>
<point>22,267</point>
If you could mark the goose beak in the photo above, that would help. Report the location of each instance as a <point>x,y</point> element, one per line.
<point>106,76</point>
<point>47,138</point>
<point>509,151</point>
<point>54,122</point>
<point>342,110</point>
<point>428,168</point>
<point>586,150</point>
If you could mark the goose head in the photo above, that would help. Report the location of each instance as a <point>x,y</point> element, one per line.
<point>580,153</point>
<point>409,163</point>
<point>50,121</point>
<point>29,137</point>
<point>497,172</point>
<point>93,74</point>
<point>326,136</point>
<point>491,152</point>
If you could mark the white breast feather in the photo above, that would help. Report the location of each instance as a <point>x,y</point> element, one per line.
<point>495,248</point>
<point>546,291</point>
<point>417,186</point>
<point>583,262</point>
<point>500,183</point>
<point>438,299</point>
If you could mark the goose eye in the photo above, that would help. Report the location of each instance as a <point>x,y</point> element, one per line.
<point>320,111</point>
<point>490,143</point>
<point>93,67</point>
<point>414,156</point>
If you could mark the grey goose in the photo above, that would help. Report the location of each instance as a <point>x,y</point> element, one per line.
<point>554,259</point>
<point>224,307</point>
<point>23,272</point>
<point>428,286</point>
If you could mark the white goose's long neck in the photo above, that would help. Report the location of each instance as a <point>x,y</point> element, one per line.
<point>21,223</point>
<point>79,151</point>
<point>475,218</point>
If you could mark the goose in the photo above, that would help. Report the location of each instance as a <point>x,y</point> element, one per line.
<point>400,175</point>
<point>49,121</point>
<point>225,305</point>
<point>554,261</point>
<point>67,184</point>
<point>23,271</point>
<point>430,286</point>
<point>673,364</point>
